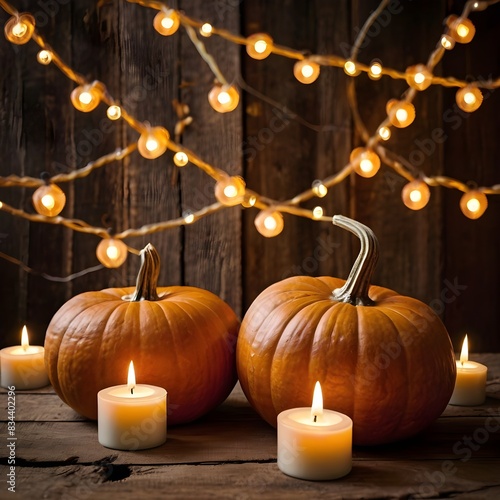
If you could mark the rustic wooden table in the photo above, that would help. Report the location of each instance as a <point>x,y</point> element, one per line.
<point>231,453</point>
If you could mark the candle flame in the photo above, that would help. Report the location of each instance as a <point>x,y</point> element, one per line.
<point>131,378</point>
<point>24,338</point>
<point>464,355</point>
<point>317,403</point>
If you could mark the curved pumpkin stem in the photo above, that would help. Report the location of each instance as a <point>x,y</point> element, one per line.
<point>355,290</point>
<point>147,279</point>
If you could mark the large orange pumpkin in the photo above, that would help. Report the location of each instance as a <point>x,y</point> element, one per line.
<point>180,338</point>
<point>384,359</point>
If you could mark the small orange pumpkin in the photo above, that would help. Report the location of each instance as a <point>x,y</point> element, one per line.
<point>384,359</point>
<point>180,338</point>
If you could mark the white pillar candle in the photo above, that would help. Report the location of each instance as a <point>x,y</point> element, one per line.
<point>313,443</point>
<point>470,384</point>
<point>23,366</point>
<point>132,417</point>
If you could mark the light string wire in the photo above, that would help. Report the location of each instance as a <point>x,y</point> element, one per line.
<point>287,206</point>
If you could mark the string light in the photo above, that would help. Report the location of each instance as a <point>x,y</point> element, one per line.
<point>153,142</point>
<point>206,29</point>
<point>188,216</point>
<point>317,212</point>
<point>87,97</point>
<point>469,98</point>
<point>230,190</point>
<point>306,71</point>
<point>461,29</point>
<point>114,112</point>
<point>447,42</point>
<point>400,113</point>
<point>111,252</point>
<point>269,223</point>
<point>223,98</point>
<point>19,29</point>
<point>350,68</point>
<point>259,45</point>
<point>375,72</point>
<point>365,162</point>
<point>418,77</point>
<point>49,200</point>
<point>181,159</point>
<point>44,57</point>
<point>384,133</point>
<point>249,200</point>
<point>416,194</point>
<point>166,22</point>
<point>319,189</point>
<point>473,204</point>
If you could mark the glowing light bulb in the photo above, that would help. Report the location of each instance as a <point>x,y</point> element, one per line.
<point>401,113</point>
<point>87,97</point>
<point>153,142</point>
<point>461,29</point>
<point>181,159</point>
<point>317,212</point>
<point>306,71</point>
<point>49,200</point>
<point>224,98</point>
<point>111,252</point>
<point>19,29</point>
<point>384,133</point>
<point>114,112</point>
<point>350,68</point>
<point>473,204</point>
<point>230,190</point>
<point>44,57</point>
<point>365,162</point>
<point>249,200</point>
<point>269,223</point>
<point>188,216</point>
<point>447,42</point>
<point>418,77</point>
<point>416,194</point>
<point>206,29</point>
<point>469,98</point>
<point>259,45</point>
<point>166,22</point>
<point>319,189</point>
<point>375,72</point>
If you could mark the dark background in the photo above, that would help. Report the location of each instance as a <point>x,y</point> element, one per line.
<point>422,252</point>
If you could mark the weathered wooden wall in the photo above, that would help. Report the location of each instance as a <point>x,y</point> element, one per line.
<point>281,144</point>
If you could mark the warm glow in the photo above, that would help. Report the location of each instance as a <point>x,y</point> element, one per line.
<point>49,200</point>
<point>230,190</point>
<point>306,71</point>
<point>25,343</point>
<point>166,22</point>
<point>319,189</point>
<point>44,57</point>
<point>350,68</point>
<point>269,223</point>
<point>181,159</point>
<point>384,133</point>
<point>85,98</point>
<point>112,252</point>
<point>206,29</point>
<point>224,98</point>
<point>473,204</point>
<point>365,162</point>
<point>317,402</point>
<point>462,30</point>
<point>188,217</point>
<point>419,77</point>
<point>19,28</point>
<point>317,212</point>
<point>401,113</point>
<point>114,112</point>
<point>375,72</point>
<point>259,45</point>
<point>464,355</point>
<point>131,377</point>
<point>469,98</point>
<point>415,196</point>
<point>153,142</point>
<point>447,42</point>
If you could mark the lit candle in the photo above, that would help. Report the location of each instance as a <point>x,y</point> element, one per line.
<point>23,365</point>
<point>132,416</point>
<point>314,443</point>
<point>470,384</point>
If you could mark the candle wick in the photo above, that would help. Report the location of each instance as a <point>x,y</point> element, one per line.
<point>131,390</point>
<point>315,418</point>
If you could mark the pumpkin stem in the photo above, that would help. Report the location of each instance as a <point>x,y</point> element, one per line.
<point>147,279</point>
<point>355,290</point>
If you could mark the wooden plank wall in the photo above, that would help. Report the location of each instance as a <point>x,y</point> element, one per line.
<point>282,137</point>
